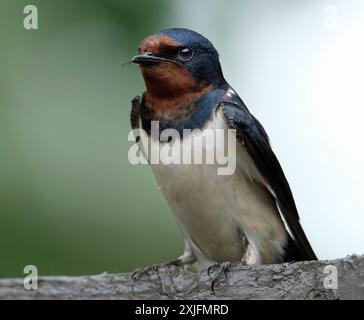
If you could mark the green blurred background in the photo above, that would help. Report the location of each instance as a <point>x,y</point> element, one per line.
<point>70,202</point>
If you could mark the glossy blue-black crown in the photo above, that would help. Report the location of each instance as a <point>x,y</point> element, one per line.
<point>205,65</point>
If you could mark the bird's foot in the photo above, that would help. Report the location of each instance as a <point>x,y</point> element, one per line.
<point>221,269</point>
<point>137,274</point>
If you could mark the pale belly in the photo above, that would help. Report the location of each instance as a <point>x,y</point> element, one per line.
<point>220,215</point>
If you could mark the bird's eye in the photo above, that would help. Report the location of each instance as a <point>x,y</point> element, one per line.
<point>185,54</point>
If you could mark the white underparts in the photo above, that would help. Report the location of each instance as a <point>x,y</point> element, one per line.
<point>213,211</point>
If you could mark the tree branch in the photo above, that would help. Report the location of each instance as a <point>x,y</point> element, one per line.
<point>300,280</point>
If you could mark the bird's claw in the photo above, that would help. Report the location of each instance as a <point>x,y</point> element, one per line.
<point>137,274</point>
<point>222,268</point>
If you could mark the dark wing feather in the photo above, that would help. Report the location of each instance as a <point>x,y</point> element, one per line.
<point>135,111</point>
<point>250,132</point>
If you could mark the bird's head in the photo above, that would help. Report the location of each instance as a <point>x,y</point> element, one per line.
<point>178,62</point>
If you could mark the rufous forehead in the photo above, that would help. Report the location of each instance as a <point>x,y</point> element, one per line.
<point>156,44</point>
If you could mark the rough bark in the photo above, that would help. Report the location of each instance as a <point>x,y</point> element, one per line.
<point>301,280</point>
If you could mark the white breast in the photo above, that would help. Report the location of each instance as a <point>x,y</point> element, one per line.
<point>215,212</point>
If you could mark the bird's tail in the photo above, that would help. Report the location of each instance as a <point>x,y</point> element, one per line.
<point>293,252</point>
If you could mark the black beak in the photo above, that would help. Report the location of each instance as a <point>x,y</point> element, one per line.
<point>147,58</point>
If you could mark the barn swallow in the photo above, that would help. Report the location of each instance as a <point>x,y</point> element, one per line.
<point>249,216</point>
